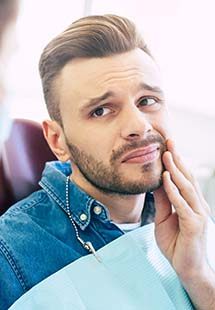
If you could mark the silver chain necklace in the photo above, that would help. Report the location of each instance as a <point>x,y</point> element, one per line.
<point>86,244</point>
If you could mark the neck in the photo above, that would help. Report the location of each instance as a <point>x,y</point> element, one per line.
<point>122,208</point>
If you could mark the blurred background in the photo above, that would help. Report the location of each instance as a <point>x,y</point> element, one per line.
<point>180,36</point>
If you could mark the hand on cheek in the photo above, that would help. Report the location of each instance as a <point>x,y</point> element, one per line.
<point>181,216</point>
<point>180,184</point>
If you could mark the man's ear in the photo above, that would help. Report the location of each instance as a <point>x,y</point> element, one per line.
<point>54,135</point>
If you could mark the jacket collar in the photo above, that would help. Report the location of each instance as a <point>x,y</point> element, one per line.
<point>54,183</point>
<point>81,204</point>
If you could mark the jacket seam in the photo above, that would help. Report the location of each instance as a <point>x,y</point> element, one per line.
<point>50,191</point>
<point>9,257</point>
<point>28,205</point>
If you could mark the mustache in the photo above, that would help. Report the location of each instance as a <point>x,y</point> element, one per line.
<point>139,144</point>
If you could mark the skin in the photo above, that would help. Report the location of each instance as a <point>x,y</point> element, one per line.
<point>181,229</point>
<point>102,136</point>
<point>124,125</point>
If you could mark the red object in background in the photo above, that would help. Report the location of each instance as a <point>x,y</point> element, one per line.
<point>22,161</point>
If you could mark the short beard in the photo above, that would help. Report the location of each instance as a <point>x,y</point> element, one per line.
<point>108,180</point>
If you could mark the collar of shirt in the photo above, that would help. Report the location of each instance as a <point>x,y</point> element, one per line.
<point>81,204</point>
<point>54,183</point>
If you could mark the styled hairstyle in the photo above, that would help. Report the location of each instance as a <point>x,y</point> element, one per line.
<point>8,13</point>
<point>88,37</point>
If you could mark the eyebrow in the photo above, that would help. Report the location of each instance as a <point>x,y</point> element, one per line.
<point>154,89</point>
<point>95,101</point>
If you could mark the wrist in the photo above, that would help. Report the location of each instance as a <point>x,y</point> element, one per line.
<point>200,286</point>
<point>200,274</point>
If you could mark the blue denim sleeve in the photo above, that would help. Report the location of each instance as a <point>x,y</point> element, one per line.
<point>11,287</point>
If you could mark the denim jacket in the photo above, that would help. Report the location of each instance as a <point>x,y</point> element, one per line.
<point>37,237</point>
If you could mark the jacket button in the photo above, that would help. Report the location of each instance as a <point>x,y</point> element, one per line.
<point>83,217</point>
<point>97,210</point>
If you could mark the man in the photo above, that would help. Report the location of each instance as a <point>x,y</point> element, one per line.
<point>109,119</point>
<point>8,13</point>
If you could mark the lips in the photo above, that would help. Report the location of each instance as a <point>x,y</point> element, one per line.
<point>150,149</point>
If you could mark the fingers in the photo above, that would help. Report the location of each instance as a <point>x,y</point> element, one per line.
<point>181,206</point>
<point>183,179</point>
<point>178,162</point>
<point>183,168</point>
<point>179,183</point>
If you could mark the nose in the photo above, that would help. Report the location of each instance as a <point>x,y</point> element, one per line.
<point>135,125</point>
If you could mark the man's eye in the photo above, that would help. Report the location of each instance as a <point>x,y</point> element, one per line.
<point>148,101</point>
<point>100,112</point>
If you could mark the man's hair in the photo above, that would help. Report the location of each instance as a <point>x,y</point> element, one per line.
<point>8,12</point>
<point>88,37</point>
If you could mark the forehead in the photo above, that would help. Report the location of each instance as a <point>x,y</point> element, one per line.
<point>83,79</point>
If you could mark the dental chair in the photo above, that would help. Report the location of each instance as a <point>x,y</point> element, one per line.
<point>22,160</point>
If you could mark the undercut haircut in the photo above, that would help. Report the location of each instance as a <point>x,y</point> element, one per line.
<point>89,37</point>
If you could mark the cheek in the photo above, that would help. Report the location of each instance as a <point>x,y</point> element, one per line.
<point>161,124</point>
<point>93,141</point>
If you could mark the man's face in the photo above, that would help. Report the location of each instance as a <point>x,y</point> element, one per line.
<point>113,114</point>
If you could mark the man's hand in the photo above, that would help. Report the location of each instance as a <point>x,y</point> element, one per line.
<point>181,229</point>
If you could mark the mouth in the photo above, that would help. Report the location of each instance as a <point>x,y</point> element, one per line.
<point>143,155</point>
